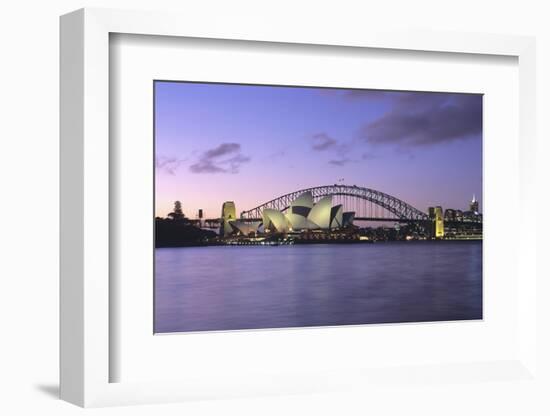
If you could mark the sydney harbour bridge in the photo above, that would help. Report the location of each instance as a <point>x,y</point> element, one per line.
<point>368,205</point>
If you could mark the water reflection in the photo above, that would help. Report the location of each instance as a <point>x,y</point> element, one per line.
<point>224,288</point>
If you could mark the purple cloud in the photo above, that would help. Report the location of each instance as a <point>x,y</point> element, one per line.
<point>222,150</point>
<point>362,94</point>
<point>225,158</point>
<point>340,162</point>
<point>372,95</point>
<point>168,165</point>
<point>427,118</point>
<point>322,141</point>
<point>340,151</point>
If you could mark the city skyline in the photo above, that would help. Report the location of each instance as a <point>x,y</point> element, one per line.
<point>250,144</point>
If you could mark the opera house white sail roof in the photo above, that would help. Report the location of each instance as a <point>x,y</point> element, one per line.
<point>303,214</point>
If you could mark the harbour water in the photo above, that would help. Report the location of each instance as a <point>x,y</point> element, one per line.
<point>252,287</point>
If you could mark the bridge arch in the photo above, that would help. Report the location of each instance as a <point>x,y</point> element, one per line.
<point>394,208</point>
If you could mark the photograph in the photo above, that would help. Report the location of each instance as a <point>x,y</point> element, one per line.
<point>288,206</point>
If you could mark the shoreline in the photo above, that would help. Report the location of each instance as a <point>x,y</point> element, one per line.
<point>316,242</point>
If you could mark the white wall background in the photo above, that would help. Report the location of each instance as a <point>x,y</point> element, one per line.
<point>29,205</point>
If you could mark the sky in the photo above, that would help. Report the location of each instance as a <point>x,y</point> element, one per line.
<point>250,144</point>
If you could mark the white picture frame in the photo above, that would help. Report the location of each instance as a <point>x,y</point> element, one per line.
<point>85,212</point>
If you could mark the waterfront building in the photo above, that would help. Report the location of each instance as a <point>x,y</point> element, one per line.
<point>474,205</point>
<point>274,221</point>
<point>245,228</point>
<point>336,217</point>
<point>439,223</point>
<point>459,215</point>
<point>450,214</point>
<point>437,228</point>
<point>347,218</point>
<point>303,214</point>
<point>320,213</point>
<point>229,214</point>
<point>297,213</point>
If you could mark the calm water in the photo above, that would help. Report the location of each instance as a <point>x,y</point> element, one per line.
<point>223,288</point>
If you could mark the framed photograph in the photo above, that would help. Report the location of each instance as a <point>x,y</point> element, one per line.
<point>260,211</point>
<point>310,247</point>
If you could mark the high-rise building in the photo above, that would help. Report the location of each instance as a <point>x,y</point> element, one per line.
<point>439,223</point>
<point>450,214</point>
<point>474,205</point>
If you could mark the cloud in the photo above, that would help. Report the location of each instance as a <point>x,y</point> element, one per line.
<point>339,151</point>
<point>225,158</point>
<point>361,94</point>
<point>168,165</point>
<point>322,141</point>
<point>206,166</point>
<point>418,119</point>
<point>340,162</point>
<point>222,150</point>
<point>372,95</point>
<point>235,162</point>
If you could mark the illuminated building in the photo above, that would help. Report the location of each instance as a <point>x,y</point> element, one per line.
<point>302,215</point>
<point>474,205</point>
<point>244,228</point>
<point>450,214</point>
<point>320,213</point>
<point>459,215</point>
<point>297,213</point>
<point>336,217</point>
<point>274,221</point>
<point>439,223</point>
<point>228,214</point>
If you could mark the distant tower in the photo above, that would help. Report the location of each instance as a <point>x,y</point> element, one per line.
<point>228,213</point>
<point>439,224</point>
<point>474,205</point>
<point>200,215</point>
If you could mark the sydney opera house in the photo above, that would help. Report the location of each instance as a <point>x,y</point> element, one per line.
<point>302,215</point>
